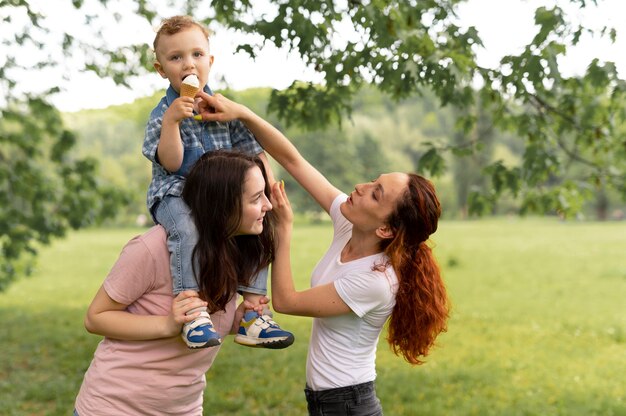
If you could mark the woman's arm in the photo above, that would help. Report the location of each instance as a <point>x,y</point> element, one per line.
<point>268,168</point>
<point>219,108</point>
<point>109,318</point>
<point>319,301</point>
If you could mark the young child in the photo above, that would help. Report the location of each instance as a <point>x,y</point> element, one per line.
<point>173,142</point>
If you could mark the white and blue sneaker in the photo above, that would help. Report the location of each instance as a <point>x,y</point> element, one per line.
<point>260,331</point>
<point>200,333</point>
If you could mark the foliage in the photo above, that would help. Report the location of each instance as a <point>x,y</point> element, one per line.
<point>571,129</point>
<point>43,189</point>
<point>115,135</point>
<point>537,328</point>
<point>381,136</point>
<point>346,156</point>
<point>407,47</point>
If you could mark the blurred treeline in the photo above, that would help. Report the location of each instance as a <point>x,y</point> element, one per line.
<point>380,136</point>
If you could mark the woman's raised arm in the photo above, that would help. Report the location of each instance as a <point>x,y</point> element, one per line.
<point>219,108</point>
<point>320,301</point>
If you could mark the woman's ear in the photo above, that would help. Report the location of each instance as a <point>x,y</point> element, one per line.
<point>384,232</point>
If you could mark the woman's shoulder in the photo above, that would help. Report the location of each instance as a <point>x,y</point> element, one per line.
<point>334,206</point>
<point>340,223</point>
<point>154,241</point>
<point>142,266</point>
<point>365,291</point>
<point>154,235</point>
<point>371,279</point>
<point>382,276</point>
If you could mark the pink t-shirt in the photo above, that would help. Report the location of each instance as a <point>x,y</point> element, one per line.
<point>156,377</point>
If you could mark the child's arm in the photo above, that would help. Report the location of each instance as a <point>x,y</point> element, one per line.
<point>109,318</point>
<point>170,149</point>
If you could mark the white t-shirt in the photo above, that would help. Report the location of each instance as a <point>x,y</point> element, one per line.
<point>342,350</point>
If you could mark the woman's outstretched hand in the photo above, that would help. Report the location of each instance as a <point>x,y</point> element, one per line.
<point>217,108</point>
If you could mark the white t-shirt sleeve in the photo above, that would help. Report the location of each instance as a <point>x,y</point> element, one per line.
<point>363,291</point>
<point>340,224</point>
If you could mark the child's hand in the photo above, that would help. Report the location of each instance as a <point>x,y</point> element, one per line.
<point>180,109</point>
<point>281,208</point>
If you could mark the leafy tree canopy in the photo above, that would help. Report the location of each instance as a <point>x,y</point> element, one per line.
<point>572,127</point>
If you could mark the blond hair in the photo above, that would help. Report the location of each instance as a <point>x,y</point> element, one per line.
<point>176,24</point>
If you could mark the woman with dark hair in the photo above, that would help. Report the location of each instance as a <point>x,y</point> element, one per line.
<point>142,366</point>
<point>233,237</point>
<point>224,236</point>
<point>379,266</point>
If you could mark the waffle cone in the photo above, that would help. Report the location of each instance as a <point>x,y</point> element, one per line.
<point>187,90</point>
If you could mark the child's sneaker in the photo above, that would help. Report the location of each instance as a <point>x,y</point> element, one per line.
<point>200,333</point>
<point>261,331</point>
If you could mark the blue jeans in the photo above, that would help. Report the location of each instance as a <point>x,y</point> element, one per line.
<point>357,400</point>
<point>175,216</point>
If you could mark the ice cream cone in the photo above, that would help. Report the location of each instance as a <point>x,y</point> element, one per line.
<point>187,90</point>
<point>189,86</point>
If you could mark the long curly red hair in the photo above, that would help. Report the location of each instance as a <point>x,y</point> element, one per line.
<point>422,306</point>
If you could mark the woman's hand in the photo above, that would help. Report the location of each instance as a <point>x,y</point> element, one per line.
<point>281,208</point>
<point>217,108</point>
<point>246,306</point>
<point>183,303</point>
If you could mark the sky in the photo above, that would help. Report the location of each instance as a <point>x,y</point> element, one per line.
<point>505,26</point>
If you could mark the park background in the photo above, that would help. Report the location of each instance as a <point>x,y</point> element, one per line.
<point>538,325</point>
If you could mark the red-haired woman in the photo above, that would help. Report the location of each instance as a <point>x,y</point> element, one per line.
<point>379,266</point>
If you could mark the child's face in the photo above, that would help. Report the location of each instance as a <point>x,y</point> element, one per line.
<point>182,54</point>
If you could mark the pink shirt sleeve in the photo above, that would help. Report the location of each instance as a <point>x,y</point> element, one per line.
<point>133,274</point>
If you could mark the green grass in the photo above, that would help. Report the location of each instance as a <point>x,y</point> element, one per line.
<point>538,327</point>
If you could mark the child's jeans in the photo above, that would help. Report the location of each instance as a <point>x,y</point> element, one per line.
<point>175,216</point>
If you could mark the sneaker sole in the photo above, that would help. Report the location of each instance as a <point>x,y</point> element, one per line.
<point>210,343</point>
<point>274,344</point>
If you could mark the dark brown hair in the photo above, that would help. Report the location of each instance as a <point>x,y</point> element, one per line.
<point>223,260</point>
<point>422,305</point>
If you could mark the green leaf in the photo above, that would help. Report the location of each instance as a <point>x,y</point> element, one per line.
<point>431,162</point>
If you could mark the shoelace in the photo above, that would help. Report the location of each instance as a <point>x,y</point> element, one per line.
<point>268,322</point>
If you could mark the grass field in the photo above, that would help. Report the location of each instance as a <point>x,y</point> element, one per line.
<point>538,328</point>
